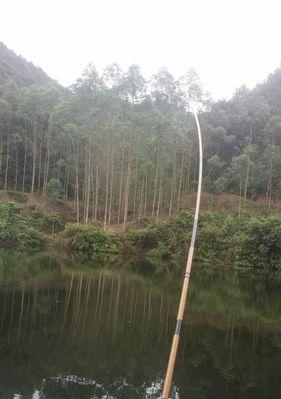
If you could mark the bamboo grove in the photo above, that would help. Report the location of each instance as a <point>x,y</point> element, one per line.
<point>124,148</point>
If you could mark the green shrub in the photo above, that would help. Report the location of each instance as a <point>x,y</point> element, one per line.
<point>261,246</point>
<point>49,222</point>
<point>29,238</point>
<point>55,188</point>
<point>238,239</point>
<point>163,238</point>
<point>89,238</point>
<point>183,221</point>
<point>161,251</point>
<point>16,228</point>
<point>8,211</point>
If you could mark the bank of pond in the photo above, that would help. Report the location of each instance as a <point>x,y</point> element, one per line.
<point>241,240</point>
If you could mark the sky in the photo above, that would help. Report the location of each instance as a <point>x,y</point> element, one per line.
<point>228,42</point>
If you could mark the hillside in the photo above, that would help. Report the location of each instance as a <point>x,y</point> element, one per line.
<point>17,68</point>
<point>224,204</point>
<point>124,148</point>
<point>28,202</point>
<point>242,239</point>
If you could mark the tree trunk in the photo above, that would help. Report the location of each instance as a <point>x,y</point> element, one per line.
<point>172,186</point>
<point>1,147</point>
<point>33,157</point>
<point>75,154</point>
<point>111,185</point>
<point>120,189</point>
<point>8,153</point>
<point>188,175</point>
<point>24,161</point>
<point>127,189</point>
<point>269,184</point>
<point>87,182</point>
<point>160,192</point>
<point>106,187</point>
<point>145,194</point>
<point>97,189</point>
<point>155,188</point>
<point>46,171</point>
<point>248,170</point>
<point>16,171</point>
<point>140,201</point>
<point>180,183</point>
<point>40,157</point>
<point>135,189</point>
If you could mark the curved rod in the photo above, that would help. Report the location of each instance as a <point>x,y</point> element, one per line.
<point>175,343</point>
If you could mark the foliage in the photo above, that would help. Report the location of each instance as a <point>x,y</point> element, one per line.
<point>48,222</point>
<point>17,68</point>
<point>241,240</point>
<point>25,230</point>
<point>89,238</point>
<point>126,148</point>
<point>259,244</point>
<point>55,188</point>
<point>29,238</point>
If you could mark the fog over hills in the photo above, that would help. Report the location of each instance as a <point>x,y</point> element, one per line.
<point>17,68</point>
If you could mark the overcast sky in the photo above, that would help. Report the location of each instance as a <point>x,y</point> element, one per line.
<point>228,42</point>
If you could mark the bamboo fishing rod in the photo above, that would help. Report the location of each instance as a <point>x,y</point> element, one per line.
<point>181,309</point>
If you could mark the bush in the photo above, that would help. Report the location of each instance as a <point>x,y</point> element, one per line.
<point>55,188</point>
<point>29,238</point>
<point>239,239</point>
<point>49,222</point>
<point>261,244</point>
<point>8,210</point>
<point>183,221</point>
<point>16,228</point>
<point>89,238</point>
<point>161,251</point>
<point>163,239</point>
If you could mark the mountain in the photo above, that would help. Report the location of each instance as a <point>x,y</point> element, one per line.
<point>17,68</point>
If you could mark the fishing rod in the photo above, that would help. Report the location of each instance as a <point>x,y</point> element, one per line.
<point>182,303</point>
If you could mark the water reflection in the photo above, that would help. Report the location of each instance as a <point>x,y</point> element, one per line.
<point>70,331</point>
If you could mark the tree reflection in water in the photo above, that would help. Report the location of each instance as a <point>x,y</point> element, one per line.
<point>71,331</point>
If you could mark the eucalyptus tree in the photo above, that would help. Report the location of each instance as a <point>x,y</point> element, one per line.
<point>63,125</point>
<point>9,105</point>
<point>35,106</point>
<point>272,155</point>
<point>4,123</point>
<point>123,148</point>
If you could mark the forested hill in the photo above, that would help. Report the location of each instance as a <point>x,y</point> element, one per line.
<point>243,141</point>
<point>125,148</point>
<point>22,72</point>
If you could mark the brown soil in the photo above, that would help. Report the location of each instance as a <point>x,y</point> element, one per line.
<point>229,203</point>
<point>224,203</point>
<point>63,207</point>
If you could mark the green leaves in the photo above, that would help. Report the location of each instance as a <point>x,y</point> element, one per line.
<point>243,241</point>
<point>55,188</point>
<point>89,238</point>
<point>24,229</point>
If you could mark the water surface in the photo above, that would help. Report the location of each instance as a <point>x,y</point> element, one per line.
<point>88,329</point>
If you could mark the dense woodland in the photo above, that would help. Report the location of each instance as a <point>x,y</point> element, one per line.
<point>15,67</point>
<point>123,148</point>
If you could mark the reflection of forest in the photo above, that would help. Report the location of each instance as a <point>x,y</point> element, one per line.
<point>107,334</point>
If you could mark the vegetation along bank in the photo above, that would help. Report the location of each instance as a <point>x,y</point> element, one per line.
<point>110,163</point>
<point>240,239</point>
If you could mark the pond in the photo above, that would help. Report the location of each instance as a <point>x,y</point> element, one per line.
<point>102,328</point>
